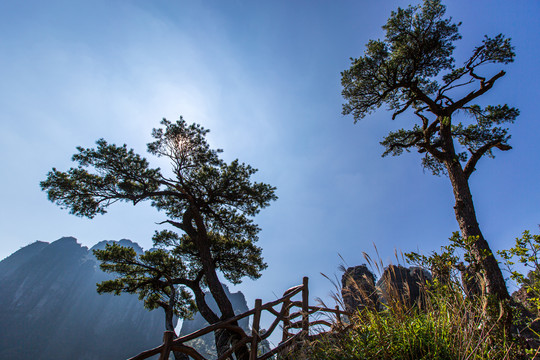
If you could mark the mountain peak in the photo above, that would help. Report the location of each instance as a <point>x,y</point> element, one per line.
<point>123,242</point>
<point>51,290</point>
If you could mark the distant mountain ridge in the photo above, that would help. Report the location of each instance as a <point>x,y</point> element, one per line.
<point>124,242</point>
<point>49,307</point>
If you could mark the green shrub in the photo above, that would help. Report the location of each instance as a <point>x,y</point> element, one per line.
<point>448,327</point>
<point>445,324</point>
<point>527,251</point>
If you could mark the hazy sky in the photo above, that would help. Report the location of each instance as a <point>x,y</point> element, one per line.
<point>264,76</point>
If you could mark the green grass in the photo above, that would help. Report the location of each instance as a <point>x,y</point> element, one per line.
<point>447,326</point>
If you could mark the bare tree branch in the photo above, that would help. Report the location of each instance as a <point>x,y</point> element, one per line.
<point>470,166</point>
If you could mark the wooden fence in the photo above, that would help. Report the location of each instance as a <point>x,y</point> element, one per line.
<point>294,331</point>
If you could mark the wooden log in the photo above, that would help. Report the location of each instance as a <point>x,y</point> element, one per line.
<point>294,290</point>
<point>305,306</point>
<point>272,311</point>
<point>282,299</point>
<point>300,324</point>
<point>314,309</point>
<point>320,322</point>
<point>288,294</point>
<point>188,351</point>
<point>296,325</point>
<point>255,330</point>
<point>210,328</point>
<point>283,315</point>
<point>168,337</point>
<point>286,320</point>
<point>296,314</point>
<point>279,317</point>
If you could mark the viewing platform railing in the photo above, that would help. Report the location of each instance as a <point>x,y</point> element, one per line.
<point>293,315</point>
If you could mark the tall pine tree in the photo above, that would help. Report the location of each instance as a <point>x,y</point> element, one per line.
<point>208,200</point>
<point>412,71</point>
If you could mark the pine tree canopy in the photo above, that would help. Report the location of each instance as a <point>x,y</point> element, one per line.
<point>154,276</point>
<point>211,204</point>
<point>412,68</point>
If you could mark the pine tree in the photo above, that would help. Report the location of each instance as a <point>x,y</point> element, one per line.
<point>412,71</point>
<point>209,201</point>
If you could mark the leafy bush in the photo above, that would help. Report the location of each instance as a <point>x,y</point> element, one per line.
<point>527,251</point>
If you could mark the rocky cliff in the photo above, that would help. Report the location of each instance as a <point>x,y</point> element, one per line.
<point>49,307</point>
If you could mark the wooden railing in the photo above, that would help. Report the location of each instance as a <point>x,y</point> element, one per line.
<point>290,338</point>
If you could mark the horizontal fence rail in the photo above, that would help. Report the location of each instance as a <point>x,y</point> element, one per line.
<point>288,320</point>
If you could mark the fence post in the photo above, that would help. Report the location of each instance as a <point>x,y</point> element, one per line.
<point>255,330</point>
<point>305,307</point>
<point>286,320</point>
<point>168,337</point>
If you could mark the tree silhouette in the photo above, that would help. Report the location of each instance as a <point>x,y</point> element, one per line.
<point>210,201</point>
<point>412,70</point>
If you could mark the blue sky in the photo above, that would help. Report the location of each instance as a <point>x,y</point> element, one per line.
<point>265,78</point>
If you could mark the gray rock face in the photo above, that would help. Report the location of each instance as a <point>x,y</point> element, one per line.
<point>49,308</point>
<point>358,289</point>
<point>123,242</point>
<point>402,284</point>
<point>397,283</point>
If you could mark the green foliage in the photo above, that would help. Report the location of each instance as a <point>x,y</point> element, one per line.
<point>526,251</point>
<point>234,257</point>
<point>450,328</point>
<point>225,193</point>
<point>446,325</point>
<point>417,46</point>
<point>120,175</point>
<point>413,68</point>
<point>446,264</point>
<point>210,202</point>
<point>442,265</point>
<point>154,276</point>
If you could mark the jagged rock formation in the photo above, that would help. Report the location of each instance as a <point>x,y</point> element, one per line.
<point>402,284</point>
<point>358,289</point>
<point>397,283</point>
<point>49,307</point>
<point>124,242</point>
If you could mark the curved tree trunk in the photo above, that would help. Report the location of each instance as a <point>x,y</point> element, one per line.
<point>223,338</point>
<point>202,241</point>
<point>468,225</point>
<point>466,215</point>
<point>170,327</point>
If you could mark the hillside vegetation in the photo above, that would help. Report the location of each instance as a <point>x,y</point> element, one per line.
<point>447,320</point>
